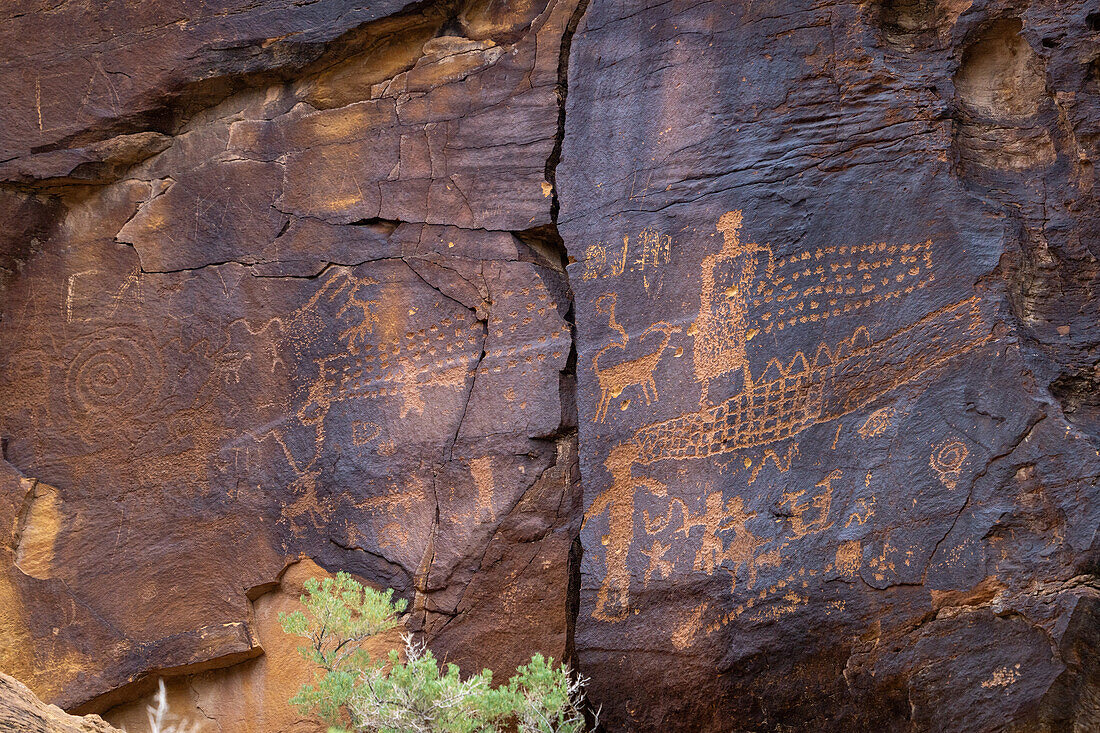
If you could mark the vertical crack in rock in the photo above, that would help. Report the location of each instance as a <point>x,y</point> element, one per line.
<point>448,453</point>
<point>573,601</point>
<point>422,577</point>
<point>569,381</point>
<point>469,391</point>
<point>562,92</point>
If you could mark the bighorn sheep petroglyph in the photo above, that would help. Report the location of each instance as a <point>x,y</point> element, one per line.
<point>634,372</point>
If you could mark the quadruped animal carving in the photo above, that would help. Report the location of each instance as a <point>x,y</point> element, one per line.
<point>746,292</point>
<point>637,372</point>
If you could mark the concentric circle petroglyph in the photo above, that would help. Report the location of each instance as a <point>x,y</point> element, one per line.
<point>115,371</point>
<point>947,461</point>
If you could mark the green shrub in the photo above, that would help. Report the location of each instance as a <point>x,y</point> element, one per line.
<point>389,695</point>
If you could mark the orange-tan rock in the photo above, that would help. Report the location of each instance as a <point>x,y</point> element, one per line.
<point>22,712</point>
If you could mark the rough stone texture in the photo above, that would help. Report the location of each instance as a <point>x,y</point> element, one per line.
<point>21,711</point>
<point>290,287</point>
<point>836,293</point>
<point>80,72</point>
<point>251,697</point>
<point>321,312</point>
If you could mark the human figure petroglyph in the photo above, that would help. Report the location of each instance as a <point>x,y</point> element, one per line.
<point>788,399</point>
<point>657,562</point>
<point>721,327</point>
<point>746,291</point>
<point>613,598</point>
<point>709,555</point>
<point>726,542</point>
<point>718,517</point>
<point>881,566</point>
<point>741,551</point>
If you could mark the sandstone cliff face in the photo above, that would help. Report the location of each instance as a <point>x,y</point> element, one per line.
<point>801,294</point>
<point>319,310</point>
<point>835,286</point>
<point>21,711</point>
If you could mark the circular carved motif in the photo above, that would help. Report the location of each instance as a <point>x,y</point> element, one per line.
<point>878,423</point>
<point>116,372</point>
<point>947,461</point>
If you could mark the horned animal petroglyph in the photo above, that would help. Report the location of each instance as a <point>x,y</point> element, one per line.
<point>636,372</point>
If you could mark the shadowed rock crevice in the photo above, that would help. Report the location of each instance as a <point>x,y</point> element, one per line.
<point>325,74</point>
<point>1004,104</point>
<point>1079,395</point>
<point>906,25</point>
<point>1019,137</point>
<point>562,92</point>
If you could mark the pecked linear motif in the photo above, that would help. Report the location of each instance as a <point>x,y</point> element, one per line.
<point>789,398</point>
<point>746,291</point>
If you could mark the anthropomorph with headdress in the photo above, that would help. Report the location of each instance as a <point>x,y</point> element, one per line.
<point>720,330</point>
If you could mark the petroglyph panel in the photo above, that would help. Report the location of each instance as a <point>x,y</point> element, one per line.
<point>318,312</point>
<point>754,456</point>
<point>382,418</point>
<point>881,326</point>
<point>772,409</point>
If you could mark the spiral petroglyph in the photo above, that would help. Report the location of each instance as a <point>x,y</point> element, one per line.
<point>115,371</point>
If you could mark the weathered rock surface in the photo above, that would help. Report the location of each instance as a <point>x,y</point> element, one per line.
<point>318,316</point>
<point>21,711</point>
<point>251,697</point>
<point>802,294</point>
<point>836,293</point>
